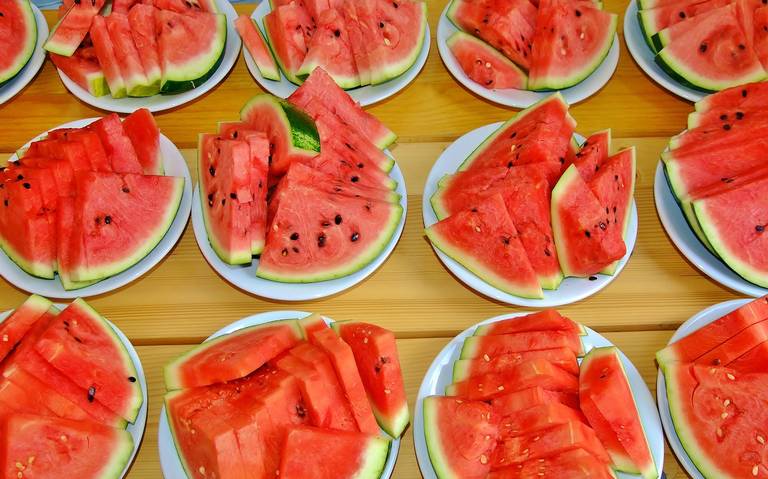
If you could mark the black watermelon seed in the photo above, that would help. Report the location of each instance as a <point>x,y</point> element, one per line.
<point>223,201</point>
<point>615,177</point>
<point>210,196</point>
<point>5,202</point>
<point>381,24</point>
<point>355,237</point>
<point>325,224</point>
<point>593,278</point>
<point>726,127</point>
<point>295,249</point>
<point>726,180</point>
<point>300,411</point>
<point>131,379</point>
<point>614,209</point>
<point>588,234</point>
<point>741,46</point>
<point>760,228</point>
<point>474,210</point>
<point>607,210</point>
<point>27,185</point>
<point>126,189</point>
<point>295,236</point>
<point>233,196</point>
<point>682,14</point>
<point>578,13</point>
<point>355,179</point>
<point>360,165</point>
<point>321,240</point>
<point>547,252</point>
<point>337,219</point>
<point>562,160</point>
<point>739,115</point>
<point>336,33</point>
<point>394,4</point>
<point>488,82</point>
<point>597,167</point>
<point>20,177</point>
<point>98,220</point>
<point>91,393</point>
<point>212,171</point>
<point>509,164</point>
<point>723,117</point>
<point>578,155</point>
<point>107,219</point>
<point>744,93</point>
<point>234,135</point>
<point>703,47</point>
<point>78,340</point>
<point>514,134</point>
<point>505,239</point>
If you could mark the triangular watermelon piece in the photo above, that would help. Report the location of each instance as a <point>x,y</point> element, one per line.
<point>289,29</point>
<point>117,144</point>
<point>144,33</point>
<point>14,327</point>
<point>107,56</point>
<point>592,153</point>
<point>71,29</point>
<point>128,60</point>
<point>254,42</point>
<point>84,69</point>
<point>355,32</point>
<point>331,49</point>
<point>141,129</point>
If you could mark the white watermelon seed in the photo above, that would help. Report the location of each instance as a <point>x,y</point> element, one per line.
<point>486,357</point>
<point>719,432</point>
<point>5,338</point>
<point>760,439</point>
<point>201,470</point>
<point>387,391</point>
<point>500,388</point>
<point>365,340</point>
<point>724,415</point>
<point>755,470</point>
<point>727,402</point>
<point>487,64</point>
<point>19,466</point>
<point>386,42</point>
<point>730,376</point>
<point>63,438</point>
<point>484,459</point>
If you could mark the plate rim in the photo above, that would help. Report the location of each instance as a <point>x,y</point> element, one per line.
<point>33,66</point>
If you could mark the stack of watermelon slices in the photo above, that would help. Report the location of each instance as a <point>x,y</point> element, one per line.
<point>67,383</point>
<point>534,45</point>
<point>138,49</point>
<point>708,45</point>
<point>358,42</point>
<point>521,406</point>
<point>716,380</point>
<point>529,207</point>
<point>718,171</point>
<point>18,37</point>
<point>290,398</point>
<point>88,202</point>
<point>331,207</point>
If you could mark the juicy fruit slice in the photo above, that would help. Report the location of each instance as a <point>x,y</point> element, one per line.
<point>486,242</point>
<point>57,404</point>
<point>736,346</point>
<point>586,242</point>
<point>254,42</point>
<point>335,237</point>
<point>753,361</point>
<point>533,373</point>
<point>49,447</point>
<point>496,345</point>
<point>534,396</point>
<point>484,64</point>
<point>18,31</point>
<point>72,28</point>
<point>364,455</point>
<point>547,320</point>
<point>106,55</point>
<point>591,155</point>
<point>330,48</point>
<point>136,82</point>
<point>460,436</point>
<point>83,68</point>
<point>143,29</point>
<point>21,320</point>
<point>84,347</point>
<point>191,48</point>
<point>117,145</point>
<point>466,368</point>
<point>605,396</point>
<point>17,400</point>
<point>570,42</point>
<point>574,464</point>
<point>378,362</point>
<point>288,28</point>
<point>231,356</point>
<point>654,20</point>
<point>141,129</point>
<point>745,96</point>
<point>536,418</point>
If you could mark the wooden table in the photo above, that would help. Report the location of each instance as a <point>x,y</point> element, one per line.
<point>183,300</point>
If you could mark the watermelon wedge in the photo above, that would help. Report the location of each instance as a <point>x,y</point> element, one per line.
<point>753,361</point>
<point>534,396</point>
<point>574,463</point>
<point>750,95</point>
<point>254,42</point>
<point>484,64</point>
<point>467,368</point>
<point>736,346</point>
<point>107,57</point>
<point>141,129</point>
<point>54,402</point>
<point>18,34</point>
<point>591,154</point>
<point>83,68</point>
<point>71,29</point>
<point>537,418</point>
<point>331,49</point>
<point>546,320</point>
<point>288,28</point>
<point>143,29</point>
<point>129,61</point>
<point>654,20</point>
<point>498,344</point>
<point>21,320</point>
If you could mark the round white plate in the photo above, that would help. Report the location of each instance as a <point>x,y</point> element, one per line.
<point>174,165</point>
<point>570,290</point>
<point>22,79</point>
<point>440,373</point>
<point>523,98</point>
<point>244,276</point>
<point>135,429</point>
<point>169,458</point>
<point>698,321</point>
<point>157,103</point>
<point>644,57</point>
<point>686,241</point>
<point>366,95</point>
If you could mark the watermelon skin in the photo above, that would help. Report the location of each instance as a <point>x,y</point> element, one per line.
<point>14,327</point>
<point>71,29</point>
<point>254,42</point>
<point>466,368</point>
<point>378,362</point>
<point>83,68</point>
<point>533,373</point>
<point>495,345</point>
<point>460,436</point>
<point>364,455</point>
<point>604,386</point>
<point>574,464</point>
<point>18,30</point>
<point>231,356</point>
<point>33,437</point>
<point>484,64</point>
<point>107,58</point>
<point>141,129</point>
<point>546,320</point>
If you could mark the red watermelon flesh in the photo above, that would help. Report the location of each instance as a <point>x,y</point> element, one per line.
<point>57,404</point>
<point>485,65</point>
<point>56,447</point>
<point>753,361</point>
<point>546,320</point>
<point>708,337</point>
<point>258,146</point>
<point>735,347</point>
<point>84,69</point>
<point>144,33</point>
<point>14,327</point>
<point>496,345</point>
<point>254,42</point>
<point>107,57</point>
<point>321,87</point>
<point>560,357</point>
<point>586,242</point>
<point>141,129</point>
<point>20,401</point>
<point>70,252</point>
<point>330,49</point>
<point>739,128</point>
<point>719,115</point>
<point>289,29</point>
<point>62,172</point>
<point>461,436</point>
<point>78,144</point>
<point>748,96</point>
<point>343,361</point>
<point>534,396</point>
<point>124,6</point>
<point>73,154</point>
<point>573,464</point>
<point>593,153</point>
<point>537,418</point>
<point>355,32</point>
<point>118,146</point>
<point>312,324</point>
<point>485,241</point>
<point>664,16</point>
<point>378,362</point>
<point>536,372</point>
<point>189,7</point>
<point>70,31</point>
<point>128,59</point>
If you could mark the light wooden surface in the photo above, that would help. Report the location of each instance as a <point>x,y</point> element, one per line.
<point>182,300</point>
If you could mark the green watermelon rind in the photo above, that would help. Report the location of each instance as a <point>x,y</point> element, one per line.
<point>125,358</point>
<point>38,270</point>
<point>181,78</point>
<point>713,235</point>
<point>30,41</point>
<point>171,371</point>
<point>554,83</point>
<point>87,273</point>
<point>360,261</point>
<point>394,423</point>
<point>374,458</point>
<point>681,73</point>
<point>470,347</point>
<point>384,73</point>
<point>436,200</point>
<point>34,304</point>
<point>649,471</point>
<point>649,29</point>
<point>437,455</point>
<point>461,370</point>
<point>64,49</point>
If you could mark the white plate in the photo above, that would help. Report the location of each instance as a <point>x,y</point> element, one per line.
<point>22,79</point>
<point>169,458</point>
<point>570,290</point>
<point>366,95</point>
<point>686,241</point>
<point>157,103</point>
<point>440,373</point>
<point>644,57</point>
<point>136,429</point>
<point>174,165</point>
<point>523,98</point>
<point>701,319</point>
<point>244,276</point>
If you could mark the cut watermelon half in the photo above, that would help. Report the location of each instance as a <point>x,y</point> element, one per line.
<point>21,320</point>
<point>141,129</point>
<point>71,29</point>
<point>107,57</point>
<point>18,37</point>
<point>484,240</point>
<point>143,30</point>
<point>83,68</point>
<point>256,45</point>
<point>498,344</point>
<point>485,65</point>
<point>331,49</point>
<point>466,368</point>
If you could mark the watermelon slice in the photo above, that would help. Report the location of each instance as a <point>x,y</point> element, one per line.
<point>746,96</point>
<point>586,242</point>
<point>484,64</point>
<point>546,320</point>
<point>143,30</point>
<point>55,403</point>
<point>14,327</point>
<point>736,346</point>
<point>17,400</point>
<point>364,455</point>
<point>330,48</point>
<point>191,48</point>
<point>71,29</point>
<point>605,397</point>
<point>335,237</point>
<point>485,241</point>
<point>107,57</point>
<point>753,361</point>
<point>536,418</point>
<point>254,42</point>
<point>84,347</point>
<point>18,31</point>
<point>525,398</point>
<point>573,464</point>
<point>496,345</point>
<point>654,20</point>
<point>461,436</point>
<point>288,28</point>
<point>128,60</point>
<point>570,42</point>
<point>83,68</point>
<point>48,447</point>
<point>466,368</point>
<point>188,7</point>
<point>231,356</point>
<point>591,154</point>
<point>141,129</point>
<point>378,362</point>
<point>117,145</point>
